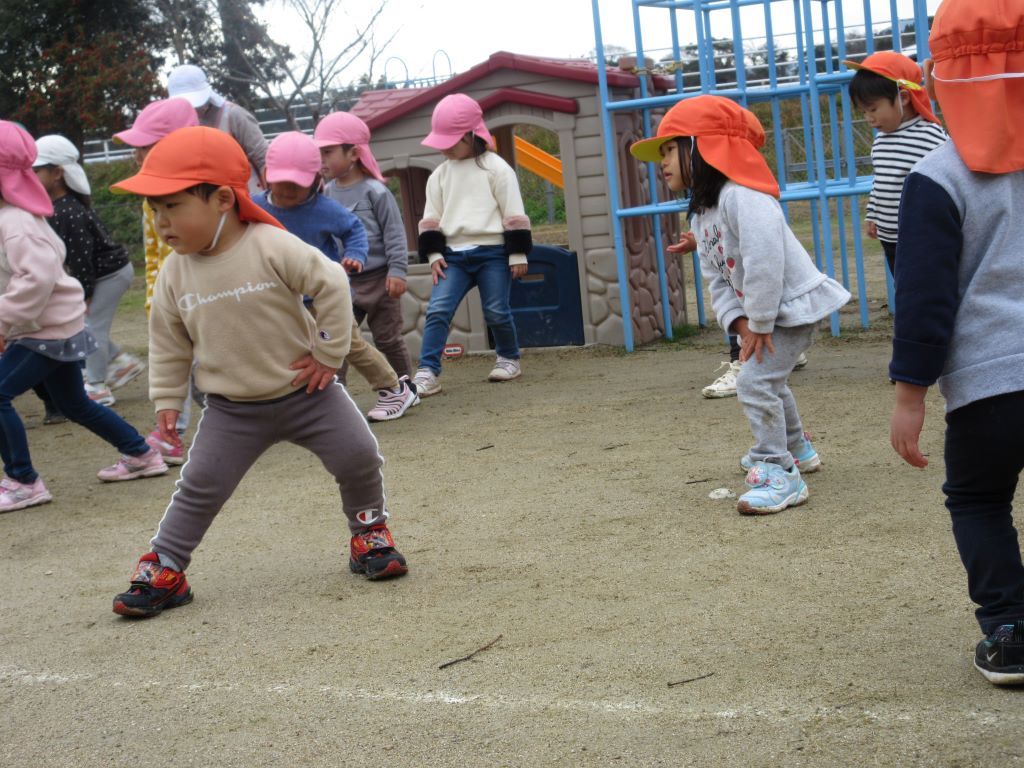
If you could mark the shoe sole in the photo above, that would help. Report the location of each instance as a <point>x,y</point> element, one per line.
<point>794,500</point>
<point>144,613</point>
<point>1002,678</point>
<point>33,502</point>
<point>390,571</point>
<point>423,392</point>
<point>137,475</point>
<point>415,401</point>
<point>717,395</point>
<point>118,383</point>
<point>500,380</point>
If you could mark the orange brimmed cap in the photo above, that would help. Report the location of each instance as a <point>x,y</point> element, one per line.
<point>903,71</point>
<point>978,50</point>
<point>191,156</point>
<point>728,138</point>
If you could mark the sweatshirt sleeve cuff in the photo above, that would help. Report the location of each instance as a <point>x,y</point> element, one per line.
<point>169,404</point>
<point>760,326</point>
<point>516,258</point>
<point>729,317</point>
<point>916,363</point>
<point>434,257</point>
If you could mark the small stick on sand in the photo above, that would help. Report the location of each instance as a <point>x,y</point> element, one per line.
<point>471,655</point>
<point>690,680</point>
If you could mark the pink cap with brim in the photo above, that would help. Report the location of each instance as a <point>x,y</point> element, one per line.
<point>454,117</point>
<point>293,157</point>
<point>157,120</point>
<point>345,128</point>
<point>19,185</point>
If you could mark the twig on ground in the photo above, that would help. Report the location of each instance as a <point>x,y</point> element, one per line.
<point>702,480</point>
<point>614,446</point>
<point>485,447</point>
<point>689,680</point>
<point>471,655</point>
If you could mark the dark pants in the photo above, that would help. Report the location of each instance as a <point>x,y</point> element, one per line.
<point>984,458</point>
<point>734,348</point>
<point>890,256</point>
<point>384,316</point>
<point>20,370</point>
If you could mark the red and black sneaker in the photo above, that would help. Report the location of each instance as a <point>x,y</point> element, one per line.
<point>153,588</point>
<point>373,554</point>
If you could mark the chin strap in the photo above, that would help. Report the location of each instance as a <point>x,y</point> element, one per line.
<point>979,78</point>
<point>216,235</point>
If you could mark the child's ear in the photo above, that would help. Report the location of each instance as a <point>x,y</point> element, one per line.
<point>905,97</point>
<point>224,198</point>
<point>929,80</point>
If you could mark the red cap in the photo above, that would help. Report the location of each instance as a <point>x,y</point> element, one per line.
<point>903,71</point>
<point>191,156</point>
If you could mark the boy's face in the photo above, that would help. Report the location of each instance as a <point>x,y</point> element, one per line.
<point>885,115</point>
<point>188,223</point>
<point>139,154</point>
<point>287,194</point>
<point>336,162</point>
<point>461,151</point>
<point>671,165</point>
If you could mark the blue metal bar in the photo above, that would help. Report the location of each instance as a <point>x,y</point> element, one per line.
<point>613,184</point>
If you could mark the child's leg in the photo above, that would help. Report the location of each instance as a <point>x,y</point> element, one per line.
<point>64,383</point>
<point>984,459</point>
<point>229,440</point>
<point>734,349</point>
<point>384,316</point>
<point>20,370</point>
<point>444,300</point>
<point>106,296</point>
<point>495,281</point>
<point>329,424</point>
<point>370,363</point>
<point>760,387</point>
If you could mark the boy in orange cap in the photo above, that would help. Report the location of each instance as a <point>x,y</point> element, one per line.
<point>959,272</point>
<point>764,286</point>
<point>887,88</point>
<point>231,300</point>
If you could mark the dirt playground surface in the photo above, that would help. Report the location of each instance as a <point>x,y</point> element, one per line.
<point>569,514</point>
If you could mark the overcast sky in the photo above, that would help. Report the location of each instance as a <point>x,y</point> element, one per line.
<point>468,32</point>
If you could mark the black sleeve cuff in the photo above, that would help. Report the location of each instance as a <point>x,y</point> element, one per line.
<point>431,241</point>
<point>518,241</point>
<point>916,362</point>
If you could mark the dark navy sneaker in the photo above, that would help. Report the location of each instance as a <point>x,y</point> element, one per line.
<point>154,587</point>
<point>373,554</point>
<point>1000,656</point>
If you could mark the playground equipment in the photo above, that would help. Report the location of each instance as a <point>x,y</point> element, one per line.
<point>802,66</point>
<point>536,160</point>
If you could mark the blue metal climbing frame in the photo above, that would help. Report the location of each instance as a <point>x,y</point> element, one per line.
<point>801,66</point>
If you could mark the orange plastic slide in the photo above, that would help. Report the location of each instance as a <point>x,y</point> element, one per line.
<point>536,160</point>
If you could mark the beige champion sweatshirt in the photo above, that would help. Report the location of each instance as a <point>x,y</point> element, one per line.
<point>240,316</point>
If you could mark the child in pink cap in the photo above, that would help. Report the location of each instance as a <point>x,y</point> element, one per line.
<point>356,182</point>
<point>474,231</point>
<point>293,178</point>
<point>43,337</point>
<point>155,121</point>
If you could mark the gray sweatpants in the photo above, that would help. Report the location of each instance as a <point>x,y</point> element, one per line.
<point>231,436</point>
<point>763,391</point>
<point>106,295</point>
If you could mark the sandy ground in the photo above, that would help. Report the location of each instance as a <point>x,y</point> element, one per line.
<point>569,514</point>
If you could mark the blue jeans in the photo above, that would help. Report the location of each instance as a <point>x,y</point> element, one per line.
<point>20,370</point>
<point>486,267</point>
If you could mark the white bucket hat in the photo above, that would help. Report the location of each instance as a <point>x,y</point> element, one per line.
<point>189,82</point>
<point>56,150</point>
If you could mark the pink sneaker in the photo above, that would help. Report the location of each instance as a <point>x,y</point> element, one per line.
<point>172,455</point>
<point>149,464</point>
<point>15,495</point>
<point>393,405</point>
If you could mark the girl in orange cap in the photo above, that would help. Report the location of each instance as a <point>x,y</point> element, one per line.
<point>958,288</point>
<point>764,286</point>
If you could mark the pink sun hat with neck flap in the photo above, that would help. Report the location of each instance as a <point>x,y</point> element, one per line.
<point>345,128</point>
<point>157,120</point>
<point>19,185</point>
<point>454,117</point>
<point>293,157</point>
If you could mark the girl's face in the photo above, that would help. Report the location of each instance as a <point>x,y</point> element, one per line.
<point>336,162</point>
<point>461,151</point>
<point>674,168</point>
<point>52,179</point>
<point>287,194</point>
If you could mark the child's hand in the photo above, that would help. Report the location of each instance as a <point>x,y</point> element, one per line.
<point>687,244</point>
<point>309,367</point>
<point>167,423</point>
<point>437,270</point>
<point>395,286</point>
<point>518,270</point>
<point>352,266</point>
<point>753,344</point>
<point>871,229</point>
<point>906,423</point>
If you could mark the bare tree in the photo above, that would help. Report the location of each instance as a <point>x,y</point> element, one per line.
<point>313,75</point>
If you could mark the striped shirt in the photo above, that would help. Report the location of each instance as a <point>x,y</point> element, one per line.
<point>893,155</point>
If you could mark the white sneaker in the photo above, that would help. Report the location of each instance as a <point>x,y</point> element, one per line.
<point>801,362</point>
<point>124,368</point>
<point>393,405</point>
<point>724,385</point>
<point>505,370</point>
<point>426,382</point>
<point>99,393</point>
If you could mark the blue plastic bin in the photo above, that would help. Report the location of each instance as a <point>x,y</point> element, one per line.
<point>546,304</point>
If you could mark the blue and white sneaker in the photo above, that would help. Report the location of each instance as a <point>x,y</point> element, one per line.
<point>805,457</point>
<point>772,489</point>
